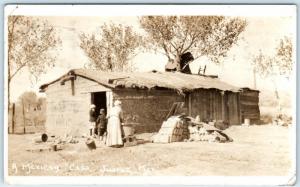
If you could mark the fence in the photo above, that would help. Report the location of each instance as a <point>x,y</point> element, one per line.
<point>23,119</point>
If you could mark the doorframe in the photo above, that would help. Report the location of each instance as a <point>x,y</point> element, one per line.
<point>108,97</point>
<point>109,101</point>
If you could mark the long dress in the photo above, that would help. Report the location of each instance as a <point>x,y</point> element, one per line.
<point>114,131</point>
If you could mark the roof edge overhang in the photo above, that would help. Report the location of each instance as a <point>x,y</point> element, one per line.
<point>182,91</point>
<point>72,72</point>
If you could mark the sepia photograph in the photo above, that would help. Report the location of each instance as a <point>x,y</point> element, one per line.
<point>117,94</point>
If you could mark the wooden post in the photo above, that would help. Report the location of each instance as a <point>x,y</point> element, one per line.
<point>13,119</point>
<point>92,98</point>
<point>223,105</point>
<point>190,104</point>
<point>24,121</point>
<point>239,108</point>
<point>213,104</point>
<point>72,86</point>
<point>210,106</point>
<point>109,101</point>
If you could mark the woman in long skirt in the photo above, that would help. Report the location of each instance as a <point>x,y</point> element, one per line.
<point>114,131</point>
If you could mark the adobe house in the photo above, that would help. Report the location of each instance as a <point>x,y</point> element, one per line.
<point>146,98</point>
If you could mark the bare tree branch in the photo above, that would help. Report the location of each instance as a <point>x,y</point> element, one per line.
<point>29,41</point>
<point>212,36</point>
<point>112,49</point>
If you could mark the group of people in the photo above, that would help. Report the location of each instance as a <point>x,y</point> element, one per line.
<point>109,125</point>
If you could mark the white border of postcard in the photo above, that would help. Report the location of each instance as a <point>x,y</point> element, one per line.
<point>136,10</point>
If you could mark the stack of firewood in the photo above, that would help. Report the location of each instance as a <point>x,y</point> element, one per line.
<point>186,132</point>
<point>177,129</point>
<point>172,130</point>
<point>197,133</point>
<point>205,132</point>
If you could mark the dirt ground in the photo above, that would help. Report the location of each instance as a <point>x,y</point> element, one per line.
<point>256,151</point>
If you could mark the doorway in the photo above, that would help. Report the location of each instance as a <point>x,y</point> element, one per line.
<point>99,100</point>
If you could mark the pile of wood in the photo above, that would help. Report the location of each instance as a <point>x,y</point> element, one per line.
<point>208,133</point>
<point>184,128</point>
<point>282,120</point>
<point>172,130</point>
<point>197,134</point>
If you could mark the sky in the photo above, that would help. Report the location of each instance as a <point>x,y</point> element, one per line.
<point>263,31</point>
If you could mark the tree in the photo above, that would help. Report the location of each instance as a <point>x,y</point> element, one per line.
<point>28,100</point>
<point>112,48</point>
<point>284,55</point>
<point>278,64</point>
<point>42,103</point>
<point>29,43</point>
<point>210,36</point>
<point>33,108</point>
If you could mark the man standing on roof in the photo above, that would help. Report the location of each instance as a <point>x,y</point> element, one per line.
<point>92,118</point>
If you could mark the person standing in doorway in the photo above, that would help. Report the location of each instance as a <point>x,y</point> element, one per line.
<point>92,119</point>
<point>114,132</point>
<point>101,124</point>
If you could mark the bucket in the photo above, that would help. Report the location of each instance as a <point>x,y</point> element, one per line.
<point>247,122</point>
<point>90,144</point>
<point>128,130</point>
<point>44,137</point>
<point>41,138</point>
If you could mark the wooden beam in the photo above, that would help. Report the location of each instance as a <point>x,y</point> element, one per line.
<point>92,98</point>
<point>190,104</point>
<point>24,121</point>
<point>13,119</point>
<point>223,105</point>
<point>73,86</point>
<point>239,108</point>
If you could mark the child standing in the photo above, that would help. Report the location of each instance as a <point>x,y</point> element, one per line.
<point>92,118</point>
<point>101,123</point>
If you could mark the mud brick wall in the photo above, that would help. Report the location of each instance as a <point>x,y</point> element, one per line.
<point>146,109</point>
<point>68,106</point>
<point>67,111</point>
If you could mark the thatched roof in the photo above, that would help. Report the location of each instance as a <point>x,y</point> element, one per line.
<point>149,80</point>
